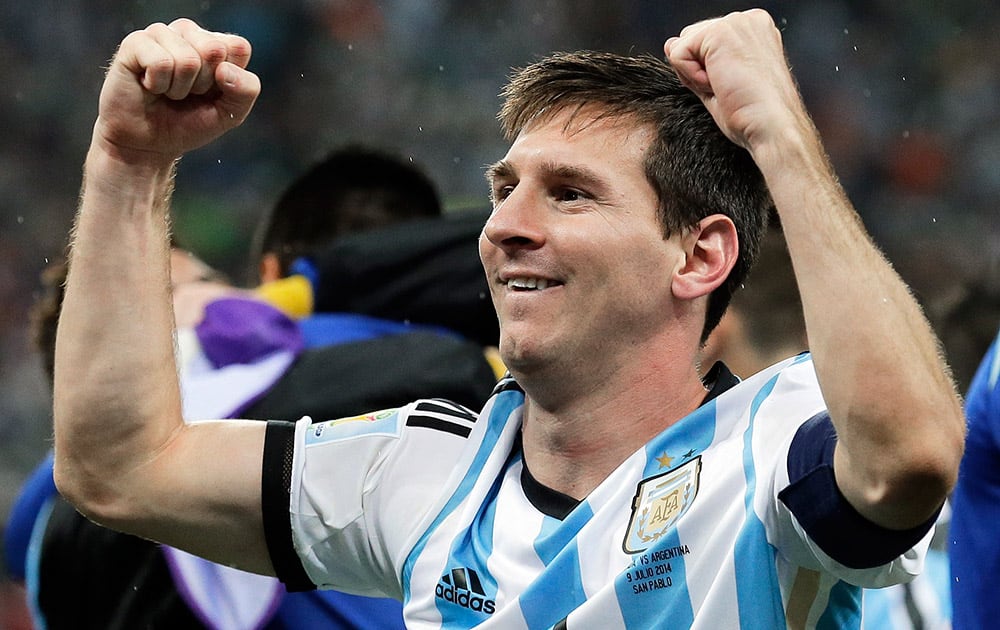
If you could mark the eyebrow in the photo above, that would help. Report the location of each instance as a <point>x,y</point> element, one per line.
<point>586,176</point>
<point>501,168</point>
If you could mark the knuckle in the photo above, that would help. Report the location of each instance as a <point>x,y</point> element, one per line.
<point>213,50</point>
<point>156,28</point>
<point>187,65</point>
<point>183,23</point>
<point>162,65</point>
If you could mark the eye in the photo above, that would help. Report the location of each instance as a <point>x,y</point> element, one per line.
<point>569,195</point>
<point>501,192</point>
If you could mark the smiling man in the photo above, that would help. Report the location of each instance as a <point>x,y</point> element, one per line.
<point>604,484</point>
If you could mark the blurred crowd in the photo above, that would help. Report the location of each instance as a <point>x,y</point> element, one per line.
<point>905,93</point>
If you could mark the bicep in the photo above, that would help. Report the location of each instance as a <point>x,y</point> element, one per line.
<point>204,494</point>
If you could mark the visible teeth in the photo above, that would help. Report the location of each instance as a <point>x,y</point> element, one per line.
<point>527,283</point>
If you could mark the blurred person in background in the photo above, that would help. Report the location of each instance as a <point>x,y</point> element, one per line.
<point>113,580</point>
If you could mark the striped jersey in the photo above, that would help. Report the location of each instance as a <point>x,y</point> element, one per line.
<point>729,518</point>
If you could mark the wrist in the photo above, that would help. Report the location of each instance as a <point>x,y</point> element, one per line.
<point>127,173</point>
<point>791,145</point>
<point>794,156</point>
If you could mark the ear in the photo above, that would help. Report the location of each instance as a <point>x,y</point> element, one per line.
<point>270,268</point>
<point>710,249</point>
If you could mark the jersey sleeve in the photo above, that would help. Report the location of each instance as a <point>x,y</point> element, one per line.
<point>343,499</point>
<point>808,519</point>
<point>843,540</point>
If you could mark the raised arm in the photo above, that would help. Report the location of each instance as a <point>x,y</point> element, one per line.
<point>898,419</point>
<point>123,454</point>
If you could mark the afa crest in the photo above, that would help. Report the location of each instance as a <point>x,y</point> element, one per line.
<point>658,504</point>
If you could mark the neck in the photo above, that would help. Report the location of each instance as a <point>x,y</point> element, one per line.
<point>573,446</point>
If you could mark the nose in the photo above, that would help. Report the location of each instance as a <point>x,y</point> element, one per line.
<point>516,222</point>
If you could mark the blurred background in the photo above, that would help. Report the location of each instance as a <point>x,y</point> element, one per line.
<point>905,93</point>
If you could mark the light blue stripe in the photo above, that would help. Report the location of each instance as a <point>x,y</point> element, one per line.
<point>505,403</point>
<point>669,605</point>
<point>994,363</point>
<point>685,440</point>
<point>470,550</point>
<point>937,572</point>
<point>799,358</point>
<point>547,601</point>
<point>556,534</point>
<point>758,593</point>
<point>550,599</point>
<point>843,611</point>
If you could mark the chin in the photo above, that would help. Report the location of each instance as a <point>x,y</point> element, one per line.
<point>518,355</point>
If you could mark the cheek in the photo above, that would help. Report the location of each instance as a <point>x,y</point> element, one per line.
<point>485,248</point>
<point>642,278</point>
<point>487,254</point>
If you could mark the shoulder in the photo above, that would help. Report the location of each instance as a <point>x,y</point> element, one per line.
<point>785,395</point>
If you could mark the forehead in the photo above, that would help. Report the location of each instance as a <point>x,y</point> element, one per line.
<point>583,135</point>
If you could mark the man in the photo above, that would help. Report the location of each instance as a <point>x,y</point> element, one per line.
<point>975,553</point>
<point>604,484</point>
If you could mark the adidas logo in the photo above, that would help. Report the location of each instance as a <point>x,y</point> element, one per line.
<point>462,586</point>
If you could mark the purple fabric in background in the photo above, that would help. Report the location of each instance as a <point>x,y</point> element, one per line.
<point>242,330</point>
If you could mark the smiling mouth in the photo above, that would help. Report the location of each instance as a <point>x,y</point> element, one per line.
<point>530,284</point>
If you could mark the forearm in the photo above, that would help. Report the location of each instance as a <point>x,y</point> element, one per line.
<point>124,455</point>
<point>890,395</point>
<point>116,395</point>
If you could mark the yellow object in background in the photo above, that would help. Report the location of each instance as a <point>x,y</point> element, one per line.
<point>293,295</point>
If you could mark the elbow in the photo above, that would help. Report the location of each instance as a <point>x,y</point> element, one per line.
<point>904,480</point>
<point>910,485</point>
<point>935,461</point>
<point>918,491</point>
<point>102,462</point>
<point>85,479</point>
<point>91,496</point>
<point>910,501</point>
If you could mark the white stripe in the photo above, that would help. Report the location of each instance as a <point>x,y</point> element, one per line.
<point>709,571</point>
<point>514,562</point>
